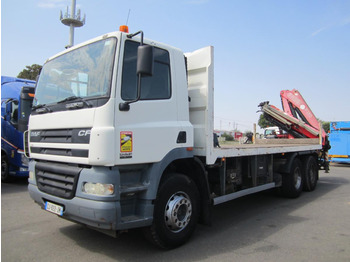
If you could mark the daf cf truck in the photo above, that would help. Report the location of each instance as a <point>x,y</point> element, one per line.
<point>122,136</point>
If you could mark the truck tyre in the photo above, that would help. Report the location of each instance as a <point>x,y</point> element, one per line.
<point>5,176</point>
<point>310,173</point>
<point>292,182</point>
<point>176,212</point>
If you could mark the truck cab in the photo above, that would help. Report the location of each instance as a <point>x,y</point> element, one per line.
<point>16,102</point>
<point>83,89</point>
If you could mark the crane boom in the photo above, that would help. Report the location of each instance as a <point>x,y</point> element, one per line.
<point>296,119</point>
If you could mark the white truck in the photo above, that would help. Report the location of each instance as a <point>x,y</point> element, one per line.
<point>121,137</point>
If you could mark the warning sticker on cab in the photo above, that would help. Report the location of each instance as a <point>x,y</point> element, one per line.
<point>125,144</point>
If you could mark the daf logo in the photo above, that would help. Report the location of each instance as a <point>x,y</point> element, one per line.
<point>35,133</point>
<point>75,105</point>
<point>84,132</point>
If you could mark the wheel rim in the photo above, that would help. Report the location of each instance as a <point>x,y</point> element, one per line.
<point>178,212</point>
<point>297,178</point>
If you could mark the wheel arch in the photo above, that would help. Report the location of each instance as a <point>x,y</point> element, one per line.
<point>194,169</point>
<point>290,158</point>
<point>286,167</point>
<point>181,161</point>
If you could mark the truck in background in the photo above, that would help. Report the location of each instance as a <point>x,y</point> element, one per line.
<point>122,136</point>
<point>273,132</point>
<point>339,138</point>
<point>16,102</point>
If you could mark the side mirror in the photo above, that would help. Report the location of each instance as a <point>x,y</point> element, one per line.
<point>144,60</point>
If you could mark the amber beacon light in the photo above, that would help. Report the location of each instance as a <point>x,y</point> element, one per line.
<point>124,28</point>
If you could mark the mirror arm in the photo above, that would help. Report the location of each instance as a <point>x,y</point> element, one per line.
<point>125,106</point>
<point>135,34</point>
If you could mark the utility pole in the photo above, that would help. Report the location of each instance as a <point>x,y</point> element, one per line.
<point>72,20</point>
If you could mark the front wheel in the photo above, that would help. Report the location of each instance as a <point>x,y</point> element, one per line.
<point>176,212</point>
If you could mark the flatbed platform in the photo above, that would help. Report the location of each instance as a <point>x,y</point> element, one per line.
<point>273,143</point>
<point>266,146</point>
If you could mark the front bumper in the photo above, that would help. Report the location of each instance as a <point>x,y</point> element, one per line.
<point>128,207</point>
<point>97,214</point>
<point>100,212</point>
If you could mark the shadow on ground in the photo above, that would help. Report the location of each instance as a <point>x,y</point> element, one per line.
<point>236,224</point>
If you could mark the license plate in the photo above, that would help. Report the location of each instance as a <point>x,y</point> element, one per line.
<point>53,208</point>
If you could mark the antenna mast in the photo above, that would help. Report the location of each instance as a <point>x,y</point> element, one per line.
<point>72,20</point>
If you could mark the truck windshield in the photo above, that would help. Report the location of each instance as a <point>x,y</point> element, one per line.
<point>270,132</point>
<point>84,73</point>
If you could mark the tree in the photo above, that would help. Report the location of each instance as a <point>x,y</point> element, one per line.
<point>263,122</point>
<point>30,72</point>
<point>325,126</point>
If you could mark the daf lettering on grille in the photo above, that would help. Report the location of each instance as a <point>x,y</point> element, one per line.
<point>35,133</point>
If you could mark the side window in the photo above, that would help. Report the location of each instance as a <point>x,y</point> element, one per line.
<point>14,112</point>
<point>157,86</point>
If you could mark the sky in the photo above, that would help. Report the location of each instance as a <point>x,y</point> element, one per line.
<point>260,46</point>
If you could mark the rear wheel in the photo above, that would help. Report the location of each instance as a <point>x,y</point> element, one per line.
<point>292,182</point>
<point>176,212</point>
<point>310,173</point>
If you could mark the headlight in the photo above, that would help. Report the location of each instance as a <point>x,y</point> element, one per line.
<point>98,189</point>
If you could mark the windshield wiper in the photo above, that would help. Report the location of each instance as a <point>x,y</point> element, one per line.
<point>41,109</point>
<point>74,98</point>
<point>70,98</point>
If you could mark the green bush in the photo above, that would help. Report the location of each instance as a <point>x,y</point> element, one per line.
<point>228,137</point>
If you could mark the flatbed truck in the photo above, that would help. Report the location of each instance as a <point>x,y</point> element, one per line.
<point>122,136</point>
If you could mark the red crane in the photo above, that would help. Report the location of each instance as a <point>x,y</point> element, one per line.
<point>296,119</point>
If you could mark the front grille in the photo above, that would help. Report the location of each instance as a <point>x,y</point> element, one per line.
<point>75,136</point>
<point>43,142</point>
<point>57,179</point>
<point>61,152</point>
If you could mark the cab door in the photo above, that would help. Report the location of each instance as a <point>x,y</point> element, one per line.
<point>149,129</point>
